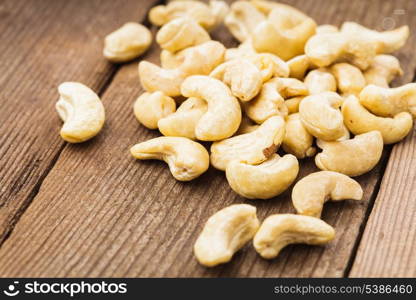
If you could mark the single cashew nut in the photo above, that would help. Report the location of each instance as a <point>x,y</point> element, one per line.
<point>265,180</point>
<point>278,231</point>
<point>270,65</point>
<point>284,26</point>
<point>383,70</point>
<point>321,116</point>
<point>223,116</point>
<point>181,33</point>
<point>253,148</point>
<point>385,41</point>
<point>388,102</point>
<point>350,79</point>
<point>198,60</point>
<point>243,19</point>
<point>352,157</point>
<point>298,66</point>
<point>226,232</point>
<point>149,108</point>
<point>359,120</point>
<point>292,104</point>
<point>298,141</point>
<point>186,159</point>
<point>127,42</point>
<point>184,121</point>
<point>327,48</point>
<point>81,110</point>
<point>311,192</point>
<point>320,80</point>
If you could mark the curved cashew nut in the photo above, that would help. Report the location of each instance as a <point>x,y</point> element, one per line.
<point>223,116</point>
<point>292,104</point>
<point>226,232</point>
<point>278,231</point>
<point>81,110</point>
<point>149,108</point>
<point>387,102</point>
<point>184,121</point>
<point>288,27</point>
<point>321,116</point>
<point>186,159</point>
<point>327,48</point>
<point>265,180</point>
<point>350,79</point>
<point>298,66</point>
<point>270,101</point>
<point>252,148</point>
<point>385,41</point>
<point>243,19</point>
<point>359,120</point>
<point>298,141</point>
<point>352,157</point>
<point>270,65</point>
<point>242,76</point>
<point>199,60</point>
<point>127,42</point>
<point>311,192</point>
<point>242,51</point>
<point>383,70</point>
<point>320,80</point>
<point>181,33</point>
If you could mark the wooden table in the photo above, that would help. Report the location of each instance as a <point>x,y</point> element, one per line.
<point>92,210</point>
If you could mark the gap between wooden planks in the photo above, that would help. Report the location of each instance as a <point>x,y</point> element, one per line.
<point>100,213</point>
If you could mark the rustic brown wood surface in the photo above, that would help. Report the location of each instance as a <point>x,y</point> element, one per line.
<point>92,210</point>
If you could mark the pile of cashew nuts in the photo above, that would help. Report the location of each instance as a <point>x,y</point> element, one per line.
<point>290,83</point>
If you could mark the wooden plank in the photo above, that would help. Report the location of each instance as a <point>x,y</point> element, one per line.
<point>43,43</point>
<point>101,213</point>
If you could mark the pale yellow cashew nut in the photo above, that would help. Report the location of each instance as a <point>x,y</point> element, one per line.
<point>81,110</point>
<point>186,159</point>
<point>226,232</point>
<point>278,231</point>
<point>350,79</point>
<point>298,141</point>
<point>383,70</point>
<point>311,192</point>
<point>320,80</point>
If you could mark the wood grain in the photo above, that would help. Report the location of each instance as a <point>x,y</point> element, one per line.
<point>43,43</point>
<point>101,213</point>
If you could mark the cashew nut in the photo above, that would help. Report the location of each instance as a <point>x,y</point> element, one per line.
<point>383,70</point>
<point>81,110</point>
<point>184,121</point>
<point>265,180</point>
<point>149,108</point>
<point>284,26</point>
<point>199,60</point>
<point>298,66</point>
<point>226,232</point>
<point>387,102</point>
<point>292,104</point>
<point>298,141</point>
<point>320,80</point>
<point>242,51</point>
<point>181,33</point>
<point>351,157</point>
<point>278,231</point>
<point>359,120</point>
<point>127,42</point>
<point>252,148</point>
<point>270,65</point>
<point>246,126</point>
<point>186,159</point>
<point>385,41</point>
<point>243,19</point>
<point>311,192</point>
<point>223,116</point>
<point>321,116</point>
<point>350,79</point>
<point>270,101</point>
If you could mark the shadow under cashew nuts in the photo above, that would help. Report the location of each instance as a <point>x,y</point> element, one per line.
<point>311,192</point>
<point>81,110</point>
<point>265,180</point>
<point>186,159</point>
<point>253,148</point>
<point>278,231</point>
<point>351,157</point>
<point>226,232</point>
